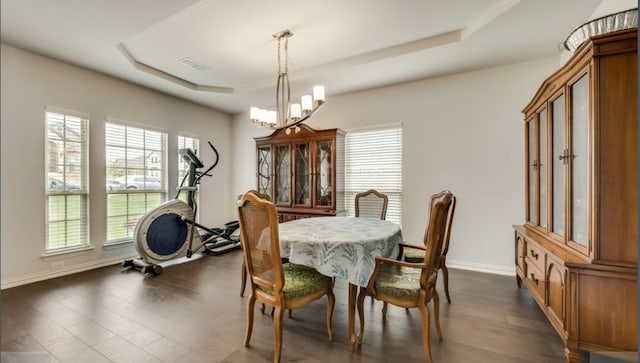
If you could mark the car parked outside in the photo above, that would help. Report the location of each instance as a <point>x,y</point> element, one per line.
<point>133,182</point>
<point>58,185</point>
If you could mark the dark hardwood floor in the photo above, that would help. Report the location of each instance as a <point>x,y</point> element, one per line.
<point>193,313</point>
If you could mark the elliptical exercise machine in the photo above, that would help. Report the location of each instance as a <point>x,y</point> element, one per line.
<point>169,231</point>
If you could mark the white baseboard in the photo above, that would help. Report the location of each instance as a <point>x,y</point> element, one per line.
<point>472,266</point>
<point>40,276</point>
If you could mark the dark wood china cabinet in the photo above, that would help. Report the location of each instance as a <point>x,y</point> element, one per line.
<point>577,252</point>
<point>302,171</point>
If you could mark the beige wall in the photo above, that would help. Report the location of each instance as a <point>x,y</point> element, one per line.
<point>462,132</point>
<point>29,83</point>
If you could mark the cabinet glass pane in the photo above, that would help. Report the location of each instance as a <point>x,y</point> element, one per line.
<point>531,161</point>
<point>264,170</point>
<point>557,196</point>
<point>579,161</point>
<point>283,175</point>
<point>323,173</point>
<point>542,168</point>
<point>302,192</point>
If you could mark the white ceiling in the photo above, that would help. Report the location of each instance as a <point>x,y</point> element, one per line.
<point>345,45</point>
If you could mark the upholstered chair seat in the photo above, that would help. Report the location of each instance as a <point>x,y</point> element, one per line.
<point>399,281</point>
<point>299,281</point>
<point>413,255</point>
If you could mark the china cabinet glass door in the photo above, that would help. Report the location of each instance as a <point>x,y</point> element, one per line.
<point>532,172</point>
<point>302,183</point>
<point>283,175</point>
<point>323,173</point>
<point>264,170</point>
<point>542,167</point>
<point>557,165</point>
<point>579,161</point>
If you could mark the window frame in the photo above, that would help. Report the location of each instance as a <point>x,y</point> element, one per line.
<point>135,202</point>
<point>71,189</point>
<point>386,178</point>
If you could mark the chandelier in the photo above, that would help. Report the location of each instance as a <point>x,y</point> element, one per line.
<point>287,115</point>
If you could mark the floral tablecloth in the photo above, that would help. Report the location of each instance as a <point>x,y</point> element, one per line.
<point>344,247</point>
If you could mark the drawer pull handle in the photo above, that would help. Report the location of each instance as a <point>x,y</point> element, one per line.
<point>534,254</point>
<point>533,278</point>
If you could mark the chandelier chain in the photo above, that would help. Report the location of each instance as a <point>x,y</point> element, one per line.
<point>287,115</point>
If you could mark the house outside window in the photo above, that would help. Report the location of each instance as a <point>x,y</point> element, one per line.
<point>373,160</point>
<point>135,176</point>
<point>67,181</point>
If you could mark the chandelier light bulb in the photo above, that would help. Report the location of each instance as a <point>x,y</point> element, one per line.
<point>318,94</point>
<point>307,103</point>
<point>296,111</point>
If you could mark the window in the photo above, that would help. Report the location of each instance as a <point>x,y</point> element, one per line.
<point>373,160</point>
<point>136,176</point>
<point>66,185</point>
<point>186,142</point>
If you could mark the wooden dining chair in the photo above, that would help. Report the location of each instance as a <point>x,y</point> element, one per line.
<point>283,286</point>
<point>413,285</point>
<point>371,204</point>
<point>413,253</point>
<point>243,272</point>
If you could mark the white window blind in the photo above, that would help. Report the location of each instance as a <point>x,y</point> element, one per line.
<point>136,162</point>
<point>373,160</point>
<point>186,142</point>
<point>66,185</point>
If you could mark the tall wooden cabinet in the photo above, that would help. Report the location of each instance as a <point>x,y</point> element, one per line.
<point>302,171</point>
<point>577,252</point>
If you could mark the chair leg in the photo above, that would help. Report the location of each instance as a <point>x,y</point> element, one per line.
<point>250,307</point>
<point>360,306</point>
<point>424,311</point>
<point>445,279</point>
<point>243,274</point>
<point>384,310</point>
<point>277,331</point>
<point>331,301</point>
<point>436,313</point>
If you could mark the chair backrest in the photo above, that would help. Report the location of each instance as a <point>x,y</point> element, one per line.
<point>371,204</point>
<point>435,234</point>
<point>259,238</point>
<point>447,234</point>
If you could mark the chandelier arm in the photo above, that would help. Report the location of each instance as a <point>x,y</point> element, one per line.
<point>301,120</point>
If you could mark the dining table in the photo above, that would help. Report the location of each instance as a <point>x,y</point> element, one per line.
<point>342,247</point>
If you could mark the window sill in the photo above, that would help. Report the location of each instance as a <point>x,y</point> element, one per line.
<point>63,252</point>
<point>117,244</point>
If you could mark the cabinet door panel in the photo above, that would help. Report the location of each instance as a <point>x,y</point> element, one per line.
<point>542,167</point>
<point>531,172</point>
<point>283,175</point>
<point>520,254</point>
<point>302,172</point>
<point>579,161</point>
<point>324,174</point>
<point>556,277</point>
<point>558,165</point>
<point>264,170</point>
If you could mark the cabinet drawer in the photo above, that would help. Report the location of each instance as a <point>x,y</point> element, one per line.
<point>536,279</point>
<point>536,255</point>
